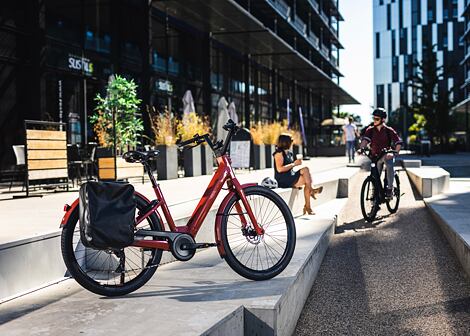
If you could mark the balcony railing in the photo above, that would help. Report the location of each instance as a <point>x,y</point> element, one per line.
<point>299,25</point>
<point>324,51</point>
<point>324,17</point>
<point>281,7</point>
<point>334,60</point>
<point>313,39</point>
<point>314,4</point>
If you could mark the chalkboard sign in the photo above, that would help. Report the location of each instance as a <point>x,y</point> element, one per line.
<point>240,149</point>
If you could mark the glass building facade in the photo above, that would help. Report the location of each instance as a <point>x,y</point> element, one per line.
<point>55,56</point>
<point>403,29</point>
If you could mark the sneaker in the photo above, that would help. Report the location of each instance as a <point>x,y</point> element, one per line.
<point>388,193</point>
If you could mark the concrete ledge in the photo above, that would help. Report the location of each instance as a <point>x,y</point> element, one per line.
<point>429,181</point>
<point>33,262</point>
<point>210,295</point>
<point>411,163</point>
<point>451,212</point>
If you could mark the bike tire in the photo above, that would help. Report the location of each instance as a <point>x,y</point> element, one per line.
<point>396,196</point>
<point>261,201</point>
<point>369,182</point>
<point>90,279</point>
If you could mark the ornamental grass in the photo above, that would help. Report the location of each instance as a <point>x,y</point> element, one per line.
<point>163,126</point>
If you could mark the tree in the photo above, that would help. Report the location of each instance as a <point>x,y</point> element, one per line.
<point>433,100</point>
<point>120,103</point>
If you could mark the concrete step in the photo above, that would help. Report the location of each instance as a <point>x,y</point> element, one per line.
<point>452,212</point>
<point>34,262</point>
<point>429,181</point>
<point>200,297</point>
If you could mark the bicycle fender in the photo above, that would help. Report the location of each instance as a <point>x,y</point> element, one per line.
<point>219,217</point>
<point>69,209</point>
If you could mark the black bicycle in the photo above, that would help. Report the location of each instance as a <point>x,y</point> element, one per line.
<point>373,193</point>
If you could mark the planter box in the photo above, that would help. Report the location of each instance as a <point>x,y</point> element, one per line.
<point>192,162</point>
<point>167,162</point>
<point>259,157</point>
<point>207,162</point>
<point>123,170</point>
<point>269,151</point>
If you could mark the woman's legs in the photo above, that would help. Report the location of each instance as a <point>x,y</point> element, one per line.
<point>305,180</point>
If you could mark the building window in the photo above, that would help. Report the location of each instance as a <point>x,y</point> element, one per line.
<point>400,13</point>
<point>403,41</point>
<point>430,15</point>
<point>395,69</point>
<point>389,17</point>
<point>380,96</point>
<point>377,45</point>
<point>381,2</point>
<point>394,42</point>
<point>389,97</point>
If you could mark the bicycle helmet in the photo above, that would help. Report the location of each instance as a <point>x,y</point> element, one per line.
<point>380,112</point>
<point>269,183</point>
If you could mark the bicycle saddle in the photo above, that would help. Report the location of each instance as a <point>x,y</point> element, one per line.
<point>136,156</point>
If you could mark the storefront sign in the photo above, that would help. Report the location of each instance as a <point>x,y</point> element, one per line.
<point>164,85</point>
<point>81,64</point>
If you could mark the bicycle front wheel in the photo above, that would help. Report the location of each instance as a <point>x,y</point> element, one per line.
<point>392,204</point>
<point>250,255</point>
<point>369,199</point>
<point>110,272</point>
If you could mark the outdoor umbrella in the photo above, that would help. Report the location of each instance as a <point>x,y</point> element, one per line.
<point>232,112</point>
<point>188,102</point>
<point>222,118</point>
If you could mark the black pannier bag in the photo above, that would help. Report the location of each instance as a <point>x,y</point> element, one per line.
<point>107,215</point>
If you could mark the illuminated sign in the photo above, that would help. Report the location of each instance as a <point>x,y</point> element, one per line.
<point>81,64</point>
<point>164,85</point>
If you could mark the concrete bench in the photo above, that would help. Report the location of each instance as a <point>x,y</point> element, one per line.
<point>429,181</point>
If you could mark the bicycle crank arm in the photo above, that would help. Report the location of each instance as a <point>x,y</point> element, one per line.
<point>197,246</point>
<point>160,234</point>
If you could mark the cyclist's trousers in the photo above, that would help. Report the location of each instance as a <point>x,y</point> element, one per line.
<point>390,172</point>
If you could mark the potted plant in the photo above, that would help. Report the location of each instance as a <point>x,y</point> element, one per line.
<point>258,151</point>
<point>164,129</point>
<point>118,126</point>
<point>271,134</point>
<point>188,126</point>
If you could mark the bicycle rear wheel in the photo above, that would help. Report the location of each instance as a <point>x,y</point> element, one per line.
<point>101,271</point>
<point>369,198</point>
<point>258,257</point>
<point>392,204</point>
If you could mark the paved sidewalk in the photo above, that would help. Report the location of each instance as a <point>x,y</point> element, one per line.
<point>398,276</point>
<point>31,217</point>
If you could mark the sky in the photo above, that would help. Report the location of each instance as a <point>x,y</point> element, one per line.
<point>356,62</point>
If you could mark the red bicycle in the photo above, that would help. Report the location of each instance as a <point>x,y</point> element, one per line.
<point>254,231</point>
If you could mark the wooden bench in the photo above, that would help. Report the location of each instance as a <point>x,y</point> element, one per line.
<point>46,153</point>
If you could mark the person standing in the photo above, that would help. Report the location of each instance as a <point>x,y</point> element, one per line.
<point>350,134</point>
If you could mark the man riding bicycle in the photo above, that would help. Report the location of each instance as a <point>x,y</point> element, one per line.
<point>382,137</point>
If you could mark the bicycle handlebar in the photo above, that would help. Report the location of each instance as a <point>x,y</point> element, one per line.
<point>197,139</point>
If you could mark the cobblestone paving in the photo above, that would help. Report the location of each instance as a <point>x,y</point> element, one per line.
<point>397,276</point>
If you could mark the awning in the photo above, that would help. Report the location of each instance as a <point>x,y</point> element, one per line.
<point>333,122</point>
<point>232,25</point>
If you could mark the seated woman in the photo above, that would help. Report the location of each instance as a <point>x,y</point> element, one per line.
<point>285,175</point>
